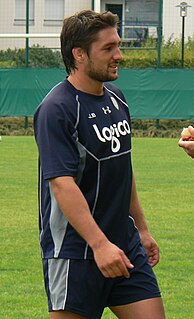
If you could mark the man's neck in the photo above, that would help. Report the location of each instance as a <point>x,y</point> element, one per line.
<point>86,84</point>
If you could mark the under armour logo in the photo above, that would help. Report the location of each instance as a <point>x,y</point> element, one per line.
<point>91,115</point>
<point>106,110</point>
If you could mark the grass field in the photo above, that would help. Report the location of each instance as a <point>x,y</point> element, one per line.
<point>165,181</point>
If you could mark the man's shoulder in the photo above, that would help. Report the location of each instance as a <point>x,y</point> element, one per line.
<point>112,88</point>
<point>59,91</point>
<point>60,97</point>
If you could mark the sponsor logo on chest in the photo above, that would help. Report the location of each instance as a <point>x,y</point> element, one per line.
<point>112,134</point>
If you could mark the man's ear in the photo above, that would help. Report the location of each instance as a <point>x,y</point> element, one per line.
<point>78,54</point>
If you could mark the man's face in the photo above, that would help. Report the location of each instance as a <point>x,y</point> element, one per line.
<point>104,56</point>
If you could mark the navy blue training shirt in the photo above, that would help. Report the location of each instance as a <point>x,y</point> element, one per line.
<point>87,137</point>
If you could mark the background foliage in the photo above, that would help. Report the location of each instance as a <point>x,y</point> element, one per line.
<point>140,128</point>
<point>41,57</point>
<point>170,55</point>
<point>144,57</point>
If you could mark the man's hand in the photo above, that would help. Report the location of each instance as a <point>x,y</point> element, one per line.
<point>188,145</point>
<point>112,261</point>
<point>151,247</point>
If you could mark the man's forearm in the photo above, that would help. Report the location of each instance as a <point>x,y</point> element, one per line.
<point>147,240</point>
<point>110,259</point>
<point>136,210</point>
<point>76,210</point>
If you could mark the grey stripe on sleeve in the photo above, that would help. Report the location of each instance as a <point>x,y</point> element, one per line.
<point>58,225</point>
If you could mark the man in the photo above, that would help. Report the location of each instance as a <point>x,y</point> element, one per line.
<point>188,146</point>
<point>92,252</point>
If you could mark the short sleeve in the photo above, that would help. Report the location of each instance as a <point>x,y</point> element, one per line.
<point>56,138</point>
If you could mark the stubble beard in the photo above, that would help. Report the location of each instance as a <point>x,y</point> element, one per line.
<point>101,75</point>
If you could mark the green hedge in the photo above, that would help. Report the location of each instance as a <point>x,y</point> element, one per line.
<point>140,128</point>
<point>171,53</point>
<point>41,57</point>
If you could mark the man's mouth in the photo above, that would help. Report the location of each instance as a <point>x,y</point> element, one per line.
<point>114,66</point>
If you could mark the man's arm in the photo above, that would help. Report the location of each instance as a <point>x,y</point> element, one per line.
<point>109,258</point>
<point>147,240</point>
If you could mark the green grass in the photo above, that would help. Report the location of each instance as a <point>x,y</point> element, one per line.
<point>165,181</point>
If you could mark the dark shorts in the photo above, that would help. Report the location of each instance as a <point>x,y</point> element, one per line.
<point>78,285</point>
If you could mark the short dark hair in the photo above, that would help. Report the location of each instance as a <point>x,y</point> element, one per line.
<point>81,30</point>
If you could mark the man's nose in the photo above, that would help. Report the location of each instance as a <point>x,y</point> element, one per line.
<point>118,55</point>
